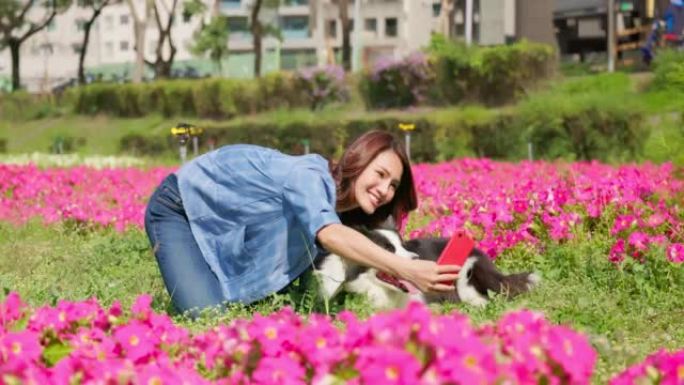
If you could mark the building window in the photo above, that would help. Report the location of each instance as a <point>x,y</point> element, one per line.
<point>230,4</point>
<point>371,26</point>
<point>391,27</point>
<point>238,27</point>
<point>291,59</point>
<point>124,19</point>
<point>76,47</point>
<point>436,9</point>
<point>295,27</point>
<point>123,45</point>
<point>331,28</point>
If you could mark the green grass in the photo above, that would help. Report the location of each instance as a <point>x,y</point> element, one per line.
<point>627,312</point>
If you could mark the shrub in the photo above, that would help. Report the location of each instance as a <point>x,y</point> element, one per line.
<point>582,126</point>
<point>322,85</point>
<point>206,98</point>
<point>506,72</point>
<point>669,70</point>
<point>397,83</point>
<point>22,105</point>
<point>491,75</point>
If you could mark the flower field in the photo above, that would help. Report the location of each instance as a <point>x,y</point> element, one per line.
<point>506,207</point>
<point>501,204</point>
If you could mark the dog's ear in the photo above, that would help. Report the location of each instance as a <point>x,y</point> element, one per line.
<point>389,223</point>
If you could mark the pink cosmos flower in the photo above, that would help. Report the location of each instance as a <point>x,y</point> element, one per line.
<point>23,345</point>
<point>639,241</point>
<point>675,252</point>
<point>137,340</point>
<point>385,365</point>
<point>278,371</point>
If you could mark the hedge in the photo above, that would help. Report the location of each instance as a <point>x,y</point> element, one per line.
<point>582,133</point>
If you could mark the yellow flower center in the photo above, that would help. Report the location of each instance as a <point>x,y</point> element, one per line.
<point>680,372</point>
<point>16,348</point>
<point>134,340</point>
<point>271,333</point>
<point>320,343</point>
<point>470,361</point>
<point>392,373</point>
<point>154,381</point>
<point>567,345</point>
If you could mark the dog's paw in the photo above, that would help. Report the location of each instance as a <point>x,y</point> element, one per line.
<point>533,280</point>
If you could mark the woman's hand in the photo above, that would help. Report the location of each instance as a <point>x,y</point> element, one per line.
<point>428,276</point>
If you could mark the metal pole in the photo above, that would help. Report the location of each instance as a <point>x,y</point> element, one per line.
<point>408,145</point>
<point>358,29</point>
<point>530,154</point>
<point>195,145</point>
<point>183,149</point>
<point>469,22</point>
<point>611,35</point>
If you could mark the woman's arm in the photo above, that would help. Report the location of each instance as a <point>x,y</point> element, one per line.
<point>427,276</point>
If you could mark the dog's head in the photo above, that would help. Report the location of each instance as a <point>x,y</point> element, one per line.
<point>391,241</point>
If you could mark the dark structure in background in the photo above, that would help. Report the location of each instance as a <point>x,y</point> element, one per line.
<point>533,21</point>
<point>581,25</point>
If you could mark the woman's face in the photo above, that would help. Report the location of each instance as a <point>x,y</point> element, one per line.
<point>378,182</point>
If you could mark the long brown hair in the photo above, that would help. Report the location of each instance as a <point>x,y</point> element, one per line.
<point>354,160</point>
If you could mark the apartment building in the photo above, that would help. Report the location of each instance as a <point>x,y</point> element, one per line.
<point>311,35</point>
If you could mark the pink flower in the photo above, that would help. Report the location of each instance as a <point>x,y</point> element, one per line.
<point>385,365</point>
<point>137,340</point>
<point>278,371</point>
<point>617,252</point>
<point>675,252</point>
<point>11,309</point>
<point>24,345</point>
<point>639,241</point>
<point>573,353</point>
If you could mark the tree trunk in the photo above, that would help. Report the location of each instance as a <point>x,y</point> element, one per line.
<point>346,33</point>
<point>14,45</point>
<point>86,39</point>
<point>162,67</point>
<point>139,24</point>
<point>257,31</point>
<point>446,18</point>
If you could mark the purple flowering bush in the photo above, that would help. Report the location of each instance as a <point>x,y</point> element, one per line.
<point>322,85</point>
<point>399,83</point>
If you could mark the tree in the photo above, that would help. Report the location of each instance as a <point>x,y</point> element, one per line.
<point>96,6</point>
<point>139,24</point>
<point>446,18</point>
<point>212,39</point>
<point>162,66</point>
<point>16,26</point>
<point>259,30</point>
<point>343,6</point>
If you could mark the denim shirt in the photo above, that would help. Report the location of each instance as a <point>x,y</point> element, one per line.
<point>254,213</point>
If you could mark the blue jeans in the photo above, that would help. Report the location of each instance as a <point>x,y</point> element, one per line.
<point>189,280</point>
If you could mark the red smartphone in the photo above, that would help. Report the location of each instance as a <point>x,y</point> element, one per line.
<point>457,249</point>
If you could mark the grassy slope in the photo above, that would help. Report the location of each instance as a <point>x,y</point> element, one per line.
<point>627,313</point>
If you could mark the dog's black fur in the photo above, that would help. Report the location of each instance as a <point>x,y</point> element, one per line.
<point>479,275</point>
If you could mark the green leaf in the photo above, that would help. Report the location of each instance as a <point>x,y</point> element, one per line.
<point>55,352</point>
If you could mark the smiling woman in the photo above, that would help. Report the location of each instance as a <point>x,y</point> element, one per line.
<point>243,221</point>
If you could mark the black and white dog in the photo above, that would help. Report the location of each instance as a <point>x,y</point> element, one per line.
<point>477,277</point>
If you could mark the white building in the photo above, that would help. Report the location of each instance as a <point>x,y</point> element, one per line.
<point>389,28</point>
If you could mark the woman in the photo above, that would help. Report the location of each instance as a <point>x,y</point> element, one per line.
<point>242,222</point>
